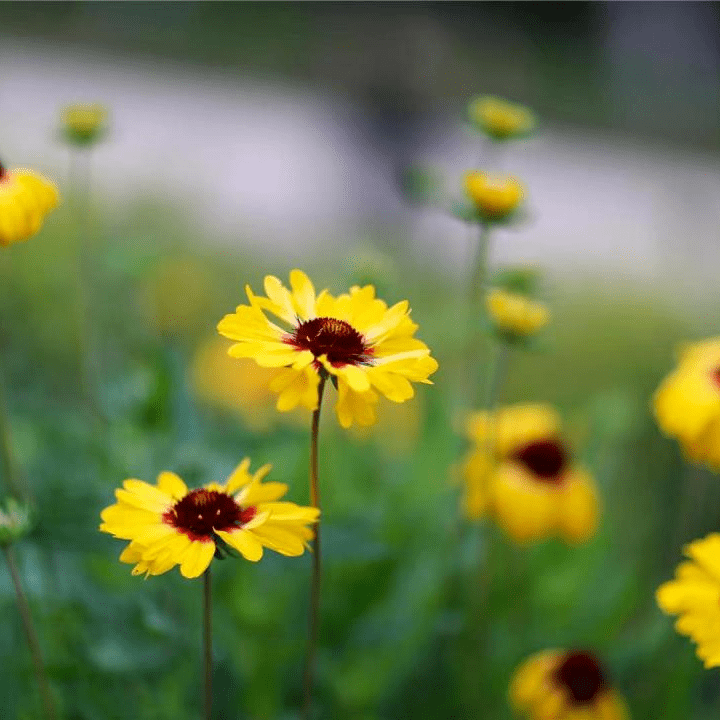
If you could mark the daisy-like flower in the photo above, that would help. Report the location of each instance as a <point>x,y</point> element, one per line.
<point>169,525</point>
<point>694,596</point>
<point>565,685</point>
<point>521,474</point>
<point>515,316</point>
<point>84,123</point>
<point>365,347</point>
<point>495,197</point>
<point>25,199</point>
<point>687,403</point>
<point>500,119</point>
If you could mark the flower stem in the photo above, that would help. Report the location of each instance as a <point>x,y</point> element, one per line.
<point>477,290</point>
<point>31,636</point>
<point>315,586</point>
<point>207,641</point>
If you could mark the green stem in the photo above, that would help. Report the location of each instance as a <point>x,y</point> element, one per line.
<point>477,291</point>
<point>315,586</point>
<point>16,484</point>
<point>207,641</point>
<point>31,636</point>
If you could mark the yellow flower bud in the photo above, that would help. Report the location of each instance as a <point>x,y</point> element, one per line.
<point>495,196</point>
<point>515,314</point>
<point>500,119</point>
<point>83,124</point>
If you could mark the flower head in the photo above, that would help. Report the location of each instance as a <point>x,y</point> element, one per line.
<point>84,123</point>
<point>500,119</point>
<point>687,403</point>
<point>515,316</point>
<point>565,685</point>
<point>694,595</point>
<point>15,521</point>
<point>520,472</point>
<point>496,197</point>
<point>25,199</point>
<point>355,339</point>
<point>169,525</point>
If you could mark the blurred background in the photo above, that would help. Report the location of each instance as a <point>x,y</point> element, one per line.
<point>252,138</point>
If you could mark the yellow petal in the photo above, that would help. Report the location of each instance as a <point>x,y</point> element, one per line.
<point>197,558</point>
<point>244,542</point>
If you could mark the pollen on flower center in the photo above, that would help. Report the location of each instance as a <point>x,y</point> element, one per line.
<point>546,459</point>
<point>581,675</point>
<point>203,511</point>
<point>337,339</point>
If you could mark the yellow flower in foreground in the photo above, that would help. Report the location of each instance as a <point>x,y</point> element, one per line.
<point>516,315</point>
<point>355,339</point>
<point>565,685</point>
<point>687,403</point>
<point>520,473</point>
<point>83,123</point>
<point>499,118</point>
<point>25,199</point>
<point>169,525</point>
<point>495,196</point>
<point>694,595</point>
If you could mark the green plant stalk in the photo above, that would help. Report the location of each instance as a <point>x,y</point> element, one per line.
<point>31,636</point>
<point>207,641</point>
<point>476,294</point>
<point>315,584</point>
<point>15,485</point>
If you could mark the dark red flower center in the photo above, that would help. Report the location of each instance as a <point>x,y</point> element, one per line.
<point>716,376</point>
<point>339,340</point>
<point>201,512</point>
<point>580,674</point>
<point>546,459</point>
<point>3,172</point>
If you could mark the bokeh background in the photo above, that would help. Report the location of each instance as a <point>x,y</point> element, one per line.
<point>249,139</point>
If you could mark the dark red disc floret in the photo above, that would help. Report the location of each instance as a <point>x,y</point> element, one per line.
<point>581,675</point>
<point>337,339</point>
<point>546,459</point>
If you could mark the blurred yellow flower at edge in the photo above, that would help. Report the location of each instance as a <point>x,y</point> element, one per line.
<point>565,685</point>
<point>516,315</point>
<point>84,123</point>
<point>168,524</point>
<point>25,199</point>
<point>495,197</point>
<point>687,403</point>
<point>694,595</point>
<point>500,119</point>
<point>520,473</point>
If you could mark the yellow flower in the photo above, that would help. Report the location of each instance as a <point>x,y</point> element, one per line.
<point>694,595</point>
<point>687,403</point>
<point>499,118</point>
<point>516,315</point>
<point>495,197</point>
<point>169,525</point>
<point>25,199</point>
<point>84,123</point>
<point>364,346</point>
<point>565,685</point>
<point>520,473</point>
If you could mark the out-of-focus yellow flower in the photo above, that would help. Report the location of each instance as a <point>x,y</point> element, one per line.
<point>84,123</point>
<point>687,403</point>
<point>365,347</point>
<point>521,474</point>
<point>25,199</point>
<point>515,315</point>
<point>565,685</point>
<point>694,595</point>
<point>169,525</point>
<point>495,197</point>
<point>500,119</point>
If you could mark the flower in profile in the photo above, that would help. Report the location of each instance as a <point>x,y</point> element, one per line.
<point>694,595</point>
<point>521,474</point>
<point>687,403</point>
<point>515,316</point>
<point>25,199</point>
<point>168,524</point>
<point>565,685</point>
<point>500,119</point>
<point>84,123</point>
<point>495,197</point>
<point>366,348</point>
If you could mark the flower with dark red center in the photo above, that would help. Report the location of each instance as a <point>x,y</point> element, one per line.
<point>367,347</point>
<point>520,473</point>
<point>169,525</point>
<point>565,685</point>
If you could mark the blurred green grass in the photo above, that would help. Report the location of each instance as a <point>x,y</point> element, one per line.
<point>411,625</point>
